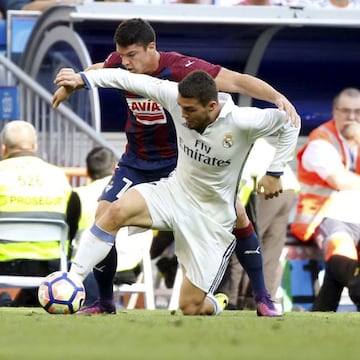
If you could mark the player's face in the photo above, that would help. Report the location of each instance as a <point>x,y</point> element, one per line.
<point>347,115</point>
<point>138,59</point>
<point>197,116</point>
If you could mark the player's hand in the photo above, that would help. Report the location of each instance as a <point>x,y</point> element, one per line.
<point>351,132</point>
<point>69,78</point>
<point>61,95</point>
<point>269,186</point>
<point>291,114</point>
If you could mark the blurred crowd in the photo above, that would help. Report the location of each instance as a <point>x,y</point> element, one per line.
<point>312,3</point>
<point>302,3</point>
<point>41,5</point>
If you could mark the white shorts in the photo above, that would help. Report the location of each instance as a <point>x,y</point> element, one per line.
<point>202,246</point>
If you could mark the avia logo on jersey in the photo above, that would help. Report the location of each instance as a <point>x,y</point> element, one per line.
<point>201,153</point>
<point>147,111</point>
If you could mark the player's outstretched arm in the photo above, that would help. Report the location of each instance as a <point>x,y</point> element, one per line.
<point>235,82</point>
<point>63,93</point>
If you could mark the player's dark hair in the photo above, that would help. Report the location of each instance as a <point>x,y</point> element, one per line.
<point>199,85</point>
<point>134,31</point>
<point>100,162</point>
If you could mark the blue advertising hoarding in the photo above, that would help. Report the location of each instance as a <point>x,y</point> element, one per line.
<point>9,103</point>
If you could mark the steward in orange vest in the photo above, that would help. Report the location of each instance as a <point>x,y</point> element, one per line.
<point>315,192</point>
<point>327,209</point>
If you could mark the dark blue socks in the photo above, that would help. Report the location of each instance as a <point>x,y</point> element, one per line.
<point>104,273</point>
<point>248,253</point>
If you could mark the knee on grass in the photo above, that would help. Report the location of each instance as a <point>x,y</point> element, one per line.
<point>188,308</point>
<point>203,307</point>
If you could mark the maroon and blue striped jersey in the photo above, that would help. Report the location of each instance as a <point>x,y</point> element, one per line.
<point>151,138</point>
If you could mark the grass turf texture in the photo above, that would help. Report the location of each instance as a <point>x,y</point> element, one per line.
<point>27,333</point>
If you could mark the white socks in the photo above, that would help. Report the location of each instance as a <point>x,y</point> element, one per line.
<point>91,251</point>
<point>217,308</point>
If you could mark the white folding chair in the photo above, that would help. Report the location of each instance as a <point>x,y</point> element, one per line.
<point>133,249</point>
<point>18,229</point>
<point>174,299</point>
<point>173,294</point>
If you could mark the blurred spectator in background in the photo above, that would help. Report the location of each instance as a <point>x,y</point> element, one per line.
<point>100,164</point>
<point>162,2</point>
<point>258,2</point>
<point>271,219</point>
<point>271,216</point>
<point>35,187</point>
<point>206,2</point>
<point>328,206</point>
<point>329,4</point>
<point>337,4</point>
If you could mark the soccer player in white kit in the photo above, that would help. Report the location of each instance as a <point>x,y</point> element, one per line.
<point>198,201</point>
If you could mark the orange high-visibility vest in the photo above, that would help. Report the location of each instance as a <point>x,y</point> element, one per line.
<point>314,196</point>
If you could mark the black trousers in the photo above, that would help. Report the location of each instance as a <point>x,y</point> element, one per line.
<point>24,267</point>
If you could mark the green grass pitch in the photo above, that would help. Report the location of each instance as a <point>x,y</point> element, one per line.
<point>31,333</point>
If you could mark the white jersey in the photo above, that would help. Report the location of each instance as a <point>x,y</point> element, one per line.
<point>209,164</point>
<point>197,201</point>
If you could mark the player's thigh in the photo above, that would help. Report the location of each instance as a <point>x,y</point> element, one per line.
<point>131,208</point>
<point>103,205</point>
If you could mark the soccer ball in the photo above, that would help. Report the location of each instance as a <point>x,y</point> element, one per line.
<point>61,293</point>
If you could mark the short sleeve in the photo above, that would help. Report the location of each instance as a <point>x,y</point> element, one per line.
<point>322,158</point>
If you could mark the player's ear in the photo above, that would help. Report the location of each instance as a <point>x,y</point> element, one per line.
<point>152,46</point>
<point>212,105</point>
<point>3,150</point>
